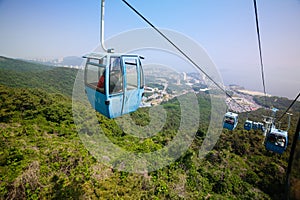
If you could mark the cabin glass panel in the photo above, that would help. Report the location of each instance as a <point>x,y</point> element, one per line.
<point>115,76</point>
<point>229,120</point>
<point>94,70</point>
<point>141,76</point>
<point>277,140</point>
<point>131,73</point>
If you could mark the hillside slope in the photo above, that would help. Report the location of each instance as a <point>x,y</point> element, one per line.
<point>16,73</point>
<point>42,156</point>
<point>22,66</point>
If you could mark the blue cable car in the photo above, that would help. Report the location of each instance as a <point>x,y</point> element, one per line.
<point>254,125</point>
<point>260,126</point>
<point>276,140</point>
<point>248,125</point>
<point>114,83</point>
<point>230,120</point>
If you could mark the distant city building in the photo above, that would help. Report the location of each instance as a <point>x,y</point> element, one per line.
<point>167,85</point>
<point>184,76</point>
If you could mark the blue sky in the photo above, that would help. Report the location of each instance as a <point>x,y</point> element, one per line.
<point>225,29</point>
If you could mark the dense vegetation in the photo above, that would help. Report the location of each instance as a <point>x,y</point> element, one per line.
<point>42,157</point>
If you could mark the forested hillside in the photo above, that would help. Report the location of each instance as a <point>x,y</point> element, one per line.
<point>22,66</point>
<point>17,73</point>
<point>42,157</point>
<point>280,103</point>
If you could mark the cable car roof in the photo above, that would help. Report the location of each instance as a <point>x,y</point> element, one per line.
<point>278,132</point>
<point>95,55</point>
<point>231,114</point>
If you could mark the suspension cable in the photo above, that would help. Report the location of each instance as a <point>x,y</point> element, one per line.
<point>260,51</point>
<point>183,53</point>
<point>294,101</point>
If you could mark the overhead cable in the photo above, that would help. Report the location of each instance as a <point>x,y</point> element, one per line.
<point>182,52</point>
<point>260,51</point>
<point>294,101</point>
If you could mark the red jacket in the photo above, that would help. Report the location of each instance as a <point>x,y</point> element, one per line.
<point>101,82</point>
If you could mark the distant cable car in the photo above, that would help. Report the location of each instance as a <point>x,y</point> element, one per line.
<point>248,125</point>
<point>230,120</point>
<point>276,140</point>
<point>254,125</point>
<point>260,126</point>
<point>114,83</point>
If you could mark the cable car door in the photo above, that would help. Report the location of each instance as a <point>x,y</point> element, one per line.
<point>132,83</point>
<point>115,88</point>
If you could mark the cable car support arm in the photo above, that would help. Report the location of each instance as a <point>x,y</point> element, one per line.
<point>102,26</point>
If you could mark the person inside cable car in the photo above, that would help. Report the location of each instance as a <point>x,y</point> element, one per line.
<point>229,120</point>
<point>101,82</point>
<point>280,141</point>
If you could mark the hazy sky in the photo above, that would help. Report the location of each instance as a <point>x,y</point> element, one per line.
<point>224,28</point>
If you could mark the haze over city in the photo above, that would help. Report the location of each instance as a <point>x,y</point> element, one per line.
<point>225,29</point>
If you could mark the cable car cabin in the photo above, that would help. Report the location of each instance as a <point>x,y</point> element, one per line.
<point>114,83</point>
<point>260,126</point>
<point>276,140</point>
<point>254,125</point>
<point>230,120</point>
<point>248,125</point>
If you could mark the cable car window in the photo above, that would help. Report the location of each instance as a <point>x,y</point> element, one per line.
<point>115,76</point>
<point>280,141</point>
<point>141,76</point>
<point>272,138</point>
<point>94,61</point>
<point>94,74</point>
<point>229,120</point>
<point>131,73</point>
